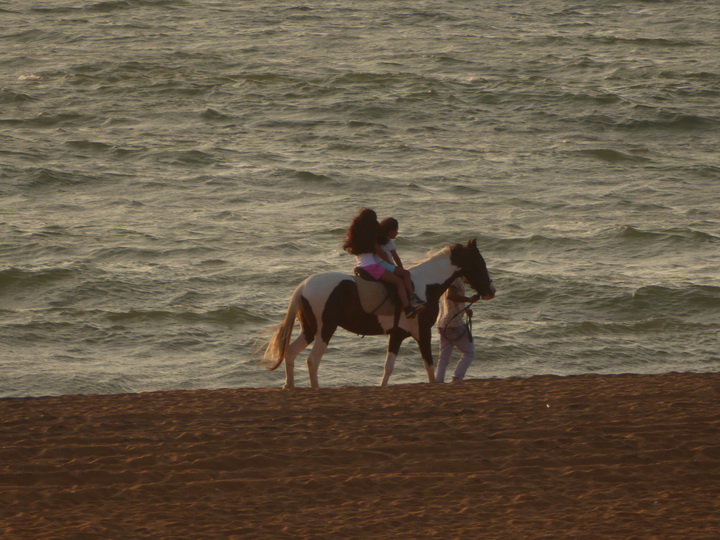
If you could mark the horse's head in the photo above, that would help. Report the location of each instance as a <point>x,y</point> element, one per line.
<point>472,267</point>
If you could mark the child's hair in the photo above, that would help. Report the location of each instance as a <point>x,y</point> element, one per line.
<point>361,236</point>
<point>387,225</point>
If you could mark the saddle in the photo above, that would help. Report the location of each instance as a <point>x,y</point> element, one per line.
<point>376,297</point>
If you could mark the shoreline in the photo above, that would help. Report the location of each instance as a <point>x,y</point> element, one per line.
<point>591,456</point>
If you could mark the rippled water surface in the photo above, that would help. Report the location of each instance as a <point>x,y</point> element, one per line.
<point>170,171</point>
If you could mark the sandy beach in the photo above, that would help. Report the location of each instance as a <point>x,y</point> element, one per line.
<point>625,456</point>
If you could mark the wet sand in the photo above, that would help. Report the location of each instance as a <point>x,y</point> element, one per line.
<point>625,456</point>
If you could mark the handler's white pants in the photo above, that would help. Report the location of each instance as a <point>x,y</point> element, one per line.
<point>464,345</point>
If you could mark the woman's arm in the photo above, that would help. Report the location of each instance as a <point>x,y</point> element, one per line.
<point>396,258</point>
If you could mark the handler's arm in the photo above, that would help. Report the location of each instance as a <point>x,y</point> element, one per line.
<point>454,295</point>
<point>460,298</point>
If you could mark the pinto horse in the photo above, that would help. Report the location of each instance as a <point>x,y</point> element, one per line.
<point>325,301</point>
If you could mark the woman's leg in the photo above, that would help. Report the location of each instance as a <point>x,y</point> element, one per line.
<point>389,277</point>
<point>405,276</point>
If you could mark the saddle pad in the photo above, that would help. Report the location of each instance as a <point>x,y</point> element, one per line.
<point>375,297</point>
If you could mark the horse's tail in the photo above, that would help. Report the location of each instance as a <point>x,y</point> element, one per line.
<point>276,349</point>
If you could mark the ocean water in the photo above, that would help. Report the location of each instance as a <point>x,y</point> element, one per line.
<point>171,170</point>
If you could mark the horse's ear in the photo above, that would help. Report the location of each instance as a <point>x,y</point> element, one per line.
<point>473,243</point>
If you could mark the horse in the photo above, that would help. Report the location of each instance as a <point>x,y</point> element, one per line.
<point>325,301</point>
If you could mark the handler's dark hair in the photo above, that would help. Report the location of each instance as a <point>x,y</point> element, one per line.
<point>361,236</point>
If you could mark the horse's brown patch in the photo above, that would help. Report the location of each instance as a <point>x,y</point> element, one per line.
<point>344,309</point>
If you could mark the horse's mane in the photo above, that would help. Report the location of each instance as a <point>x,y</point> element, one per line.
<point>434,254</point>
<point>437,252</point>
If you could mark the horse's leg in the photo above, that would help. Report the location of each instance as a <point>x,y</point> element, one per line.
<point>313,361</point>
<point>389,367</point>
<point>319,347</point>
<point>424,335</point>
<point>430,372</point>
<point>396,338</point>
<point>296,347</point>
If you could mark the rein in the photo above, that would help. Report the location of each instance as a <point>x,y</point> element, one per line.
<point>467,327</point>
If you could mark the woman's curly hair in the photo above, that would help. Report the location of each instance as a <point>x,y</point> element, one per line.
<point>362,234</point>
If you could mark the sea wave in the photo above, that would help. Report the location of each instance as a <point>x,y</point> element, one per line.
<point>13,278</point>
<point>646,41</point>
<point>9,97</point>
<point>672,236</point>
<point>48,120</point>
<point>231,315</point>
<point>656,325</point>
<point>608,155</point>
<point>107,6</point>
<point>702,300</point>
<point>673,121</point>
